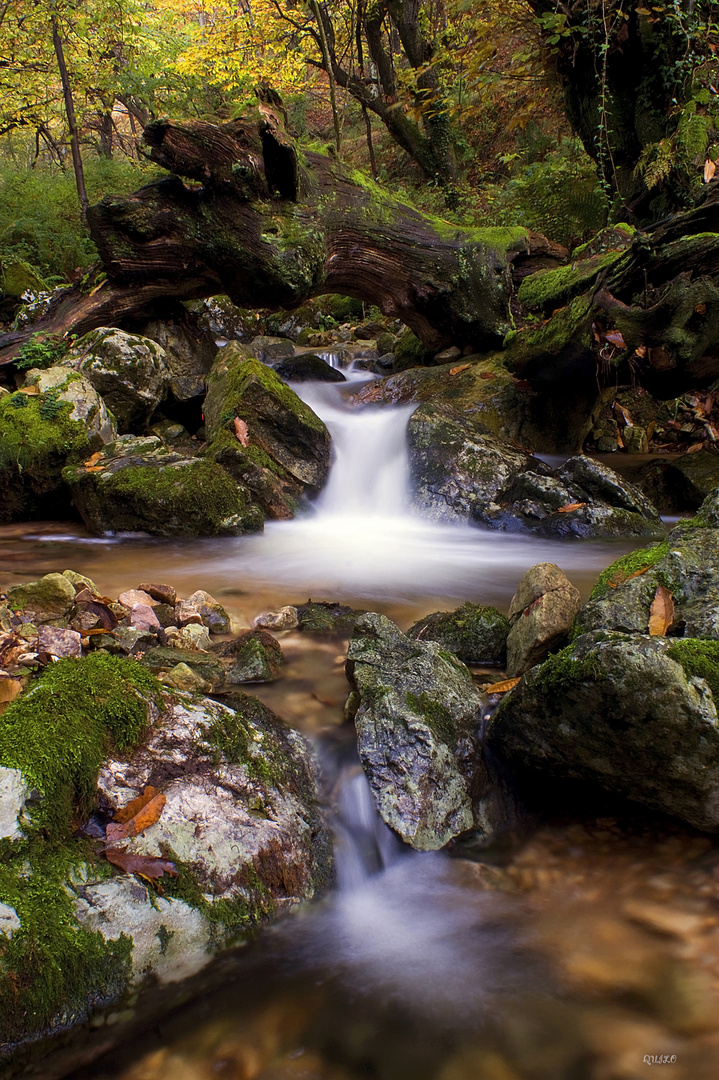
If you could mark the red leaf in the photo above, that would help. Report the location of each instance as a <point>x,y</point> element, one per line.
<point>241,431</point>
<point>149,866</point>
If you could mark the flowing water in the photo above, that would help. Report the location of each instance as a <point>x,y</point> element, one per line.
<point>581,946</point>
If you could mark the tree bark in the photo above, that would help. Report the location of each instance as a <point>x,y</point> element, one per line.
<point>70,111</point>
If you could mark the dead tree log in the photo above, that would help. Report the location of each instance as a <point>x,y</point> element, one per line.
<point>245,213</point>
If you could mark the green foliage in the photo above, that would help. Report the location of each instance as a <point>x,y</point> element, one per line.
<point>42,351</point>
<point>699,659</point>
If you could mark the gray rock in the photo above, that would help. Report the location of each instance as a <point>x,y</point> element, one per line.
<point>541,613</point>
<point>58,643</point>
<point>50,597</point>
<point>79,391</point>
<point>629,713</point>
<point>130,372</point>
<point>9,921</point>
<point>212,614</point>
<point>267,348</point>
<point>14,793</point>
<point>285,618</point>
<point>307,368</point>
<point>191,636</point>
<point>253,656</point>
<point>417,725</point>
<point>206,665</point>
<point>188,345</point>
<point>475,634</point>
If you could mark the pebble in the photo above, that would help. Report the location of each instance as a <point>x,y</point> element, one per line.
<point>164,594</point>
<point>285,618</point>
<point>59,643</point>
<point>135,596</point>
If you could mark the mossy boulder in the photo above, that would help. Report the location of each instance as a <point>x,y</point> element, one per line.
<point>475,634</point>
<point>269,349</point>
<point>58,418</point>
<point>188,345</point>
<point>50,597</point>
<point>130,372</point>
<point>253,656</point>
<point>278,423</point>
<point>321,617</point>
<point>409,352</point>
<point>138,485</point>
<point>270,485</point>
<point>679,483</point>
<point>417,718</point>
<point>633,714</point>
<point>163,658</point>
<point>541,615</point>
<point>308,368</point>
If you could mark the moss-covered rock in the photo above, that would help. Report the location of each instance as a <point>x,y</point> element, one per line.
<point>679,483</point>
<point>321,617</point>
<point>475,634</point>
<point>409,352</point>
<point>163,658</point>
<point>548,290</point>
<point>308,368</point>
<point>278,423</point>
<point>635,715</point>
<point>271,486</point>
<point>138,485</point>
<point>253,656</point>
<point>541,613</point>
<point>417,722</point>
<point>130,372</point>
<point>60,419</point>
<point>50,597</point>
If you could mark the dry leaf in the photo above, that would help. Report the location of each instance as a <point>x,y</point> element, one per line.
<point>570,507</point>
<point>487,375</point>
<point>621,580</point>
<point>622,413</point>
<point>709,170</point>
<point>503,686</point>
<point>93,460</point>
<point>9,690</point>
<point>614,337</point>
<point>694,447</point>
<point>149,866</point>
<point>241,431</point>
<point>138,805</point>
<point>461,367</point>
<point>661,613</point>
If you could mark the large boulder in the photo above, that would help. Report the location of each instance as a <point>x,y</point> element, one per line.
<point>268,348</point>
<point>188,345</point>
<point>475,634</point>
<point>681,482</point>
<point>56,419</point>
<point>130,372</point>
<point>634,714</point>
<point>308,367</point>
<point>138,485</point>
<point>236,836</point>
<point>417,716</point>
<point>541,615</point>
<point>461,472</point>
<point>263,433</point>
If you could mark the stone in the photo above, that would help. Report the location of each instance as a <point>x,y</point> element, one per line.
<point>679,482</point>
<point>629,713</point>
<point>212,614</point>
<point>51,597</point>
<point>253,656</point>
<point>320,617</point>
<point>164,658</point>
<point>59,643</point>
<point>188,345</point>
<point>541,614</point>
<point>268,348</point>
<point>143,617</point>
<point>418,717</point>
<point>184,678</point>
<point>138,485</point>
<point>475,634</point>
<point>162,594</point>
<point>187,387</point>
<point>9,921</point>
<point>225,320</point>
<point>448,356</point>
<point>81,582</point>
<point>285,618</point>
<point>131,597</point>
<point>130,372</point>
<point>14,793</point>
<point>88,407</point>
<point>127,640</point>
<point>307,368</point>
<point>190,636</point>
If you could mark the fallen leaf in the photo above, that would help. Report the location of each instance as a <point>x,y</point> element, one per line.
<point>9,690</point>
<point>461,367</point>
<point>614,337</point>
<point>712,432</point>
<point>661,613</point>
<point>641,351</point>
<point>149,866</point>
<point>628,577</point>
<point>93,460</point>
<point>700,309</point>
<point>622,414</point>
<point>709,170</point>
<point>487,375</point>
<point>501,687</point>
<point>694,447</point>
<point>31,391</point>
<point>241,431</point>
<point>570,507</point>
<point>137,816</point>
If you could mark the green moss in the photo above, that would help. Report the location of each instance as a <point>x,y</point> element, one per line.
<point>52,971</point>
<point>438,718</point>
<point>550,289</point>
<point>549,340</point>
<point>628,565</point>
<point>235,918</point>
<point>561,672</point>
<point>230,393</point>
<point>409,351</point>
<point>473,633</point>
<point>700,659</point>
<point>60,730</point>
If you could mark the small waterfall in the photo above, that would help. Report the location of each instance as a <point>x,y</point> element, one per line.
<point>364,845</point>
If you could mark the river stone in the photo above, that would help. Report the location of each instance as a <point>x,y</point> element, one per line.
<point>131,597</point>
<point>81,582</point>
<point>143,617</point>
<point>541,613</point>
<point>9,921</point>
<point>241,812</point>
<point>619,711</point>
<point>417,732</point>
<point>188,345</point>
<point>190,636</point>
<point>285,618</point>
<point>184,678</point>
<point>138,485</point>
<point>679,482</point>
<point>307,368</point>
<point>162,594</point>
<point>268,348</point>
<point>88,407</point>
<point>58,643</point>
<point>212,613</point>
<point>164,658</point>
<point>475,634</point>
<point>130,372</point>
<point>318,616</point>
<point>686,563</point>
<point>14,793</point>
<point>51,597</point>
<point>253,656</point>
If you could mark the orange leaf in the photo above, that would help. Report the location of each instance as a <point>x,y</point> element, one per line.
<point>149,866</point>
<point>9,690</point>
<point>694,447</point>
<point>709,170</point>
<point>502,687</point>
<point>614,337</point>
<point>241,431</point>
<point>94,459</point>
<point>661,613</point>
<point>461,367</point>
<point>487,375</point>
<point>136,805</point>
<point>569,507</point>
<point>620,580</point>
<point>146,815</point>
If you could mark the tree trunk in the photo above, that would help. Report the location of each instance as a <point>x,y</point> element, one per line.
<point>70,111</point>
<point>272,228</point>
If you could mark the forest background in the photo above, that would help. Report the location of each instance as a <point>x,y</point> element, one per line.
<point>558,117</point>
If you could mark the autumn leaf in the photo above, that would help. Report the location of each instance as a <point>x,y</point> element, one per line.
<point>694,447</point>
<point>487,375</point>
<point>461,367</point>
<point>570,507</point>
<point>149,866</point>
<point>9,690</point>
<point>661,613</point>
<point>628,577</point>
<point>709,170</point>
<point>133,807</point>
<point>614,337</point>
<point>93,460</point>
<point>241,431</point>
<point>137,816</point>
<point>501,687</point>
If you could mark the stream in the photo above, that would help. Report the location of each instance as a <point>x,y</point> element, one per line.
<point>582,945</point>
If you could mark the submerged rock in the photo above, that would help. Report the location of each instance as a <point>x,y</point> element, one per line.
<point>475,634</point>
<point>634,714</point>
<point>417,716</point>
<point>308,368</point>
<point>541,613</point>
<point>317,616</point>
<point>138,485</point>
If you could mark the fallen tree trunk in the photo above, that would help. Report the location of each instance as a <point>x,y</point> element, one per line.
<point>271,227</point>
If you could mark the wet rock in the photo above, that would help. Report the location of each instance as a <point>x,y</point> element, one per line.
<point>285,618</point>
<point>184,678</point>
<point>448,356</point>
<point>679,482</point>
<point>58,643</point>
<point>541,613</point>
<point>165,658</point>
<point>143,617</point>
<point>308,368</point>
<point>14,793</point>
<point>188,345</point>
<point>630,713</point>
<point>129,372</point>
<point>131,597</point>
<point>126,640</point>
<point>163,594</point>
<point>9,921</point>
<point>190,636</point>
<point>267,348</point>
<point>225,320</point>
<point>253,656</point>
<point>51,597</point>
<point>212,614</point>
<point>81,582</point>
<point>321,617</point>
<point>475,634</point>
<point>138,485</point>
<point>417,732</point>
